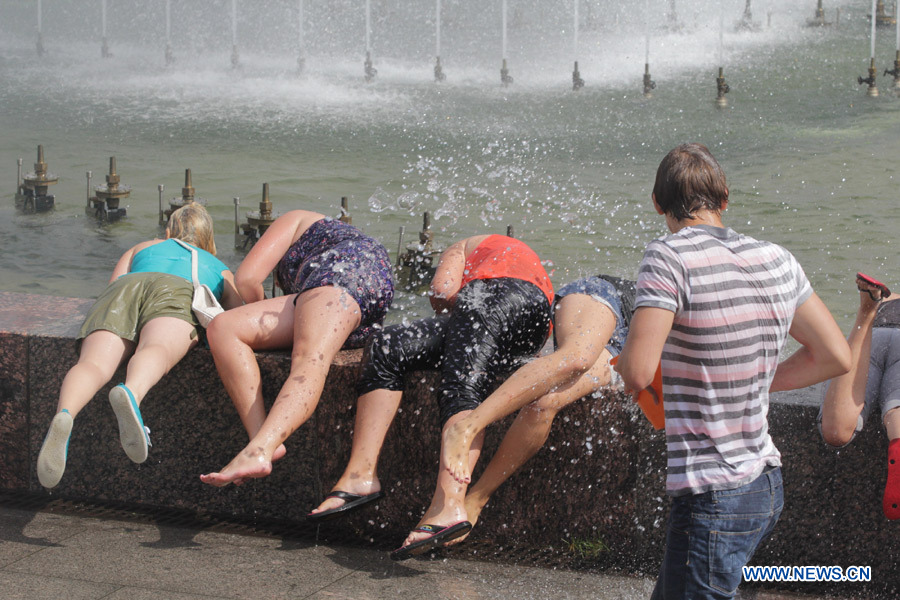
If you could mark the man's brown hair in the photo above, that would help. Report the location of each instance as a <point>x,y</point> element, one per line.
<point>689,179</point>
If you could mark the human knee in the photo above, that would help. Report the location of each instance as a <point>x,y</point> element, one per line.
<point>541,412</point>
<point>382,368</point>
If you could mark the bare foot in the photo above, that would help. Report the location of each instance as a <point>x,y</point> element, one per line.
<point>249,464</point>
<point>279,453</point>
<point>455,445</point>
<point>474,507</point>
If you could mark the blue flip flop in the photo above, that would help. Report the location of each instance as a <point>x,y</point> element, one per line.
<point>51,462</point>
<point>133,434</point>
<point>440,535</point>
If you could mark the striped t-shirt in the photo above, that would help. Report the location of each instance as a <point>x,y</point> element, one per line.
<point>734,299</point>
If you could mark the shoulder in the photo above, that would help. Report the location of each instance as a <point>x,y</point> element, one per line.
<point>144,245</point>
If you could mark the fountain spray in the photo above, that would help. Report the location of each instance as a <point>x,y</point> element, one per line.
<point>872,90</point>
<point>505,78</point>
<point>649,84</point>
<point>370,71</point>
<point>301,44</point>
<point>896,70</point>
<point>577,81</point>
<point>722,88</point>
<point>40,30</point>
<point>438,71</point>
<point>235,57</point>
<point>170,57</point>
<point>104,46</point>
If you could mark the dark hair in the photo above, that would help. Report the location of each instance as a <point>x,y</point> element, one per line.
<point>689,179</point>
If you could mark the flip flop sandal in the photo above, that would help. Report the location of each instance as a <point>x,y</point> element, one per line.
<point>352,502</point>
<point>133,434</point>
<point>440,535</point>
<point>51,462</point>
<point>885,292</point>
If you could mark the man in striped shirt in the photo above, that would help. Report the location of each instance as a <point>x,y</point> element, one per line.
<point>715,307</point>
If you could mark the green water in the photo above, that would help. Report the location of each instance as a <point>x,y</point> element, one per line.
<point>811,162</point>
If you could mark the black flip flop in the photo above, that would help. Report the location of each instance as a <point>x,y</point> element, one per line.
<point>351,502</point>
<point>440,535</point>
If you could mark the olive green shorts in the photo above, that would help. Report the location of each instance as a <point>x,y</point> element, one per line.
<point>133,300</point>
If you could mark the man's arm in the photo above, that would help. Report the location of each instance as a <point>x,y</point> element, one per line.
<point>824,353</point>
<point>647,335</point>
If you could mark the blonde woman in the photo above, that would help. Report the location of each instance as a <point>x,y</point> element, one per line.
<point>143,316</point>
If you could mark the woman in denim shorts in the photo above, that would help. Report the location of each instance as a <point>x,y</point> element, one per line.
<point>590,318</point>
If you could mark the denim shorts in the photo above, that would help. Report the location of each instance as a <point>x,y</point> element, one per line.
<point>605,293</point>
<point>711,536</point>
<point>883,381</point>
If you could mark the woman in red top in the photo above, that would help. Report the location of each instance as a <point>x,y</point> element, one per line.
<point>493,302</point>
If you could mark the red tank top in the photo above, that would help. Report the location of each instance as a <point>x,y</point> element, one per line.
<point>501,256</point>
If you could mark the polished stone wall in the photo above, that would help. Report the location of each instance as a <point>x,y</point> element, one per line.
<point>599,477</point>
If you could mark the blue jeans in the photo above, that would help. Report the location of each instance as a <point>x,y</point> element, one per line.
<point>711,536</point>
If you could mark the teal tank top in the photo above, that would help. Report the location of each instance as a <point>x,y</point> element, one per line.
<point>170,257</point>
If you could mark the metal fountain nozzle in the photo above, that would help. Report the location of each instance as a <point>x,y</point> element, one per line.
<point>345,211</point>
<point>649,84</point>
<point>505,78</point>
<point>439,71</point>
<point>577,81</point>
<point>426,236</point>
<point>722,88</point>
<point>872,90</point>
<point>235,57</point>
<point>170,56</point>
<point>370,71</point>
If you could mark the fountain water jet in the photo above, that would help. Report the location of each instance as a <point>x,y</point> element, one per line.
<point>505,77</point>
<point>722,88</point>
<point>235,57</point>
<point>577,81</point>
<point>369,70</point>
<point>170,57</point>
<point>301,44</point>
<point>649,84</point>
<point>104,46</point>
<point>872,90</point>
<point>40,30</point>
<point>438,70</point>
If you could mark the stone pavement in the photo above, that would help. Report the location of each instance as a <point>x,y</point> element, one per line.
<point>51,555</point>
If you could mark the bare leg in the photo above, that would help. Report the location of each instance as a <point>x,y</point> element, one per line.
<point>448,503</point>
<point>527,435</point>
<point>375,412</point>
<point>583,328</point>
<point>322,320</point>
<point>162,343</point>
<point>846,395</point>
<point>101,354</point>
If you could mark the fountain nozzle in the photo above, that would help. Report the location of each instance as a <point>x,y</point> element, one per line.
<point>40,45</point>
<point>872,90</point>
<point>577,81</point>
<point>438,71</point>
<point>370,71</point>
<point>895,72</point>
<point>722,88</point>
<point>505,78</point>
<point>345,211</point>
<point>104,49</point>
<point>235,57</point>
<point>649,84</point>
<point>170,56</point>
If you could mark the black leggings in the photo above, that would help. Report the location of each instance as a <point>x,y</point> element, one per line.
<point>495,323</point>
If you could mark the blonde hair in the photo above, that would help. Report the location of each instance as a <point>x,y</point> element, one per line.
<point>192,224</point>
